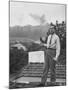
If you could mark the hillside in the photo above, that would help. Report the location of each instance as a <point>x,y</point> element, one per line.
<point>31,32</point>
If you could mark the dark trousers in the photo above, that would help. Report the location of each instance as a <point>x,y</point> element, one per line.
<point>49,64</point>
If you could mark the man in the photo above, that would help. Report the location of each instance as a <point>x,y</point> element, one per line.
<point>51,56</point>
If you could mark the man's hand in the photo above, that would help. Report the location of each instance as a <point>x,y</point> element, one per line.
<point>42,44</point>
<point>55,58</point>
<point>45,45</point>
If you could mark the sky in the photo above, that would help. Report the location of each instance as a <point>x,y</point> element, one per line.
<point>20,13</point>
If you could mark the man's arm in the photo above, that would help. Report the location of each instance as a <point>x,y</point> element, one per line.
<point>57,49</point>
<point>48,41</point>
<point>42,44</point>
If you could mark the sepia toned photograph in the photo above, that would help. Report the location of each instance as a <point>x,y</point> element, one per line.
<point>37,44</point>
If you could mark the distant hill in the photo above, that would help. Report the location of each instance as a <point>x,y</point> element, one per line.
<point>30,32</point>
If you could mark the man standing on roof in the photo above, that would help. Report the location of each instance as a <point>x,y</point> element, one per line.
<point>51,56</point>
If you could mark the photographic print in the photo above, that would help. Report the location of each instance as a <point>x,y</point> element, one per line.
<point>37,44</point>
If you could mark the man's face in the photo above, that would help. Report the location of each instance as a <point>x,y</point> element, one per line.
<point>52,31</point>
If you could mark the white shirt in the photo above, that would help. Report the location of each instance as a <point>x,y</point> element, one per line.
<point>55,43</point>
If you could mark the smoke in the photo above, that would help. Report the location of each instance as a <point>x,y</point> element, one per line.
<point>40,19</point>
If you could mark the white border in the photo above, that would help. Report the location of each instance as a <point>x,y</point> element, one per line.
<point>4,43</point>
